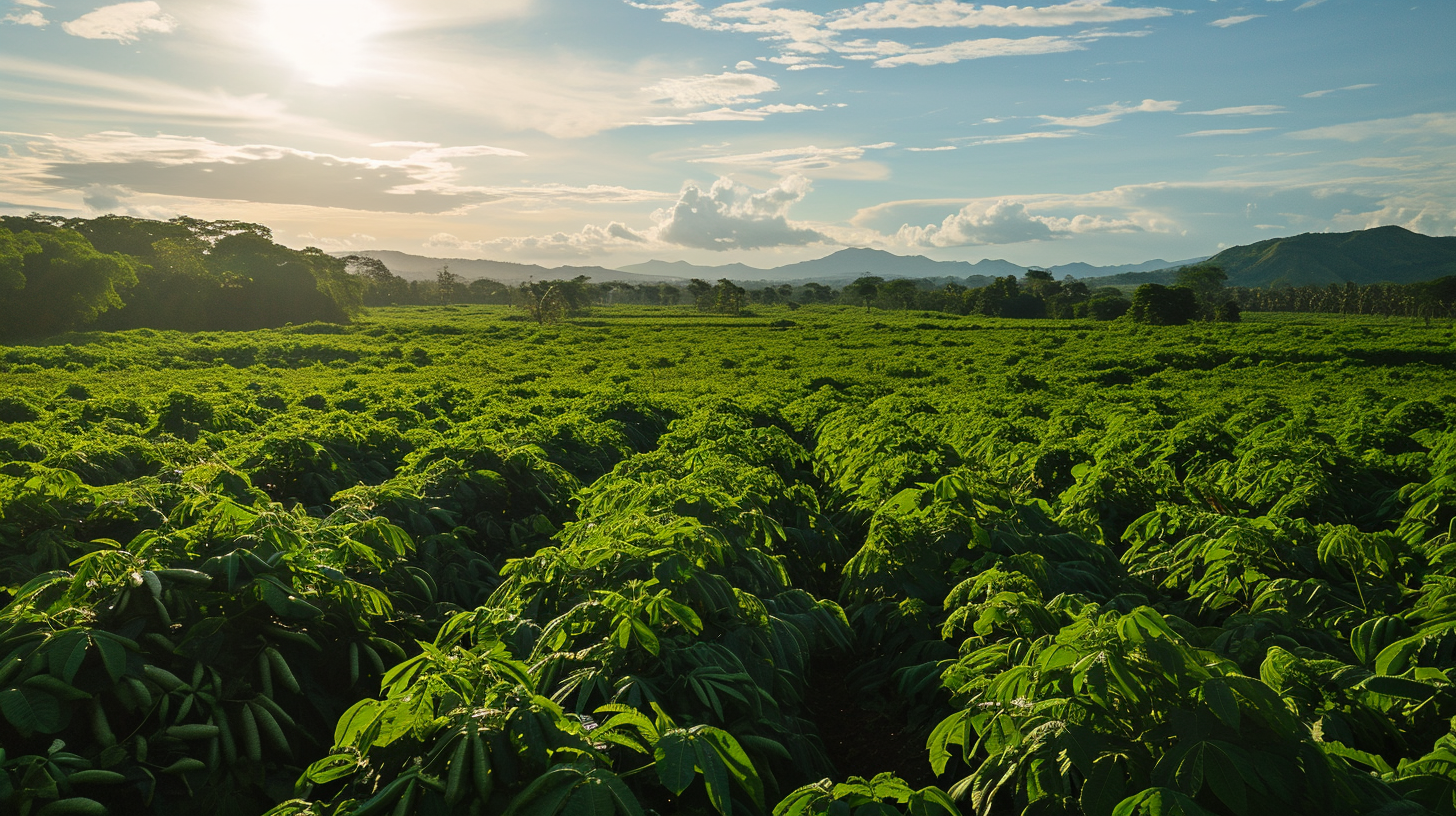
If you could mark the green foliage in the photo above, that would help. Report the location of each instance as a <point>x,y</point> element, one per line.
<point>451,562</point>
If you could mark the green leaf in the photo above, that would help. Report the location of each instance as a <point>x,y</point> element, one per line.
<point>113,656</point>
<point>1225,780</point>
<point>675,761</point>
<point>1401,687</point>
<point>1103,789</point>
<point>626,802</point>
<point>66,653</point>
<point>591,798</point>
<point>1221,701</point>
<point>1395,658</point>
<point>736,760</point>
<point>715,777</point>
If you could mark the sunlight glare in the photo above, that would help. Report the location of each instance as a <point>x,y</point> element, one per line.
<point>324,39</point>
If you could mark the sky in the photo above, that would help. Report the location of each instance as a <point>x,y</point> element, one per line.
<point>609,132</point>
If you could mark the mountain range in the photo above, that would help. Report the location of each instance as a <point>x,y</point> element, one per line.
<point>847,264</point>
<point>1379,255</point>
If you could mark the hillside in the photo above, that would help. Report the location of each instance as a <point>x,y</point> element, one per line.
<point>1380,255</point>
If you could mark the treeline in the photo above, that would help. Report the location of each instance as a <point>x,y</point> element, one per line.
<point>1429,299</point>
<point>116,272</point>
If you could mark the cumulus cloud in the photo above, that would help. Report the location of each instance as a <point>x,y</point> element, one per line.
<point>26,18</point>
<point>729,215</point>
<point>123,22</point>
<point>1243,110</point>
<point>1005,222</point>
<point>590,240</point>
<point>724,216</point>
<point>744,65</point>
<point>1233,21</point>
<point>955,14</point>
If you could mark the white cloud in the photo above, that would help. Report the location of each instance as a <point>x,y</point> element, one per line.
<point>1421,124</point>
<point>930,149</point>
<point>1243,110</point>
<point>712,89</point>
<point>981,49</point>
<point>757,114</point>
<point>1229,132</point>
<point>729,215</point>
<point>951,13</point>
<point>1318,94</point>
<point>806,40</point>
<point>1107,114</point>
<point>123,22</point>
<point>358,240</point>
<point>424,178</point>
<point>725,216</point>
<point>744,65</point>
<point>1005,222</point>
<point>590,240</point>
<point>1308,4</point>
<point>1233,21</point>
<point>795,159</point>
<point>1023,137</point>
<point>28,18</point>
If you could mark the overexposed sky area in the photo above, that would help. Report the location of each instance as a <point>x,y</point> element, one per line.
<point>759,131</point>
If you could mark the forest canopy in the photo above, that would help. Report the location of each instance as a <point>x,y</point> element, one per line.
<point>117,272</point>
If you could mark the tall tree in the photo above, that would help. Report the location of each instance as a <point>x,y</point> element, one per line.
<point>865,289</point>
<point>63,282</point>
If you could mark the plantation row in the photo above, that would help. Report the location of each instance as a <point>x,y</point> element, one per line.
<point>447,562</point>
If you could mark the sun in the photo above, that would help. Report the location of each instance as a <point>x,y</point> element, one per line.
<point>325,40</point>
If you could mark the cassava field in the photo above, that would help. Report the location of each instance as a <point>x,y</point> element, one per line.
<point>829,561</point>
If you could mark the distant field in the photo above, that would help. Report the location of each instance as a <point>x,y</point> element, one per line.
<point>445,560</point>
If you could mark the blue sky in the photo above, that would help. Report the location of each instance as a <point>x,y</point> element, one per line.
<point>760,131</point>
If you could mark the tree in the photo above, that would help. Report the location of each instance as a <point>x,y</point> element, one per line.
<point>1206,281</point>
<point>702,294</point>
<point>1159,305</point>
<point>865,289</point>
<point>730,297</point>
<point>542,300</point>
<point>381,286</point>
<point>1108,304</point>
<point>900,291</point>
<point>448,285</point>
<point>54,281</point>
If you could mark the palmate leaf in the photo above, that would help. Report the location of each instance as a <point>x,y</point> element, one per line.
<point>1159,802</point>
<point>1103,789</point>
<point>676,761</point>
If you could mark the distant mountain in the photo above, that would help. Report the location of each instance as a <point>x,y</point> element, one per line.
<point>420,267</point>
<point>848,264</point>
<point>1082,270</point>
<point>1380,255</point>
<point>687,271</point>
